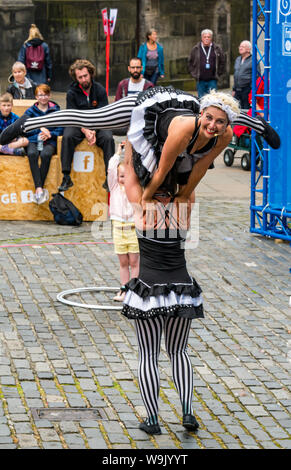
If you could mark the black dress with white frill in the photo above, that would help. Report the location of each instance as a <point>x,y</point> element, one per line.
<point>164,286</point>
<point>155,108</point>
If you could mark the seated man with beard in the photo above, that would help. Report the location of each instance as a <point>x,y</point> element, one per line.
<point>84,94</point>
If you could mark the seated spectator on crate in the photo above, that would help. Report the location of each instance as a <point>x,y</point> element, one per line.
<point>7,117</point>
<point>21,87</point>
<point>42,142</point>
<point>84,93</point>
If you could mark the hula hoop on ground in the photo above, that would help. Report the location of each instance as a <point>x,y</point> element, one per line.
<point>61,297</point>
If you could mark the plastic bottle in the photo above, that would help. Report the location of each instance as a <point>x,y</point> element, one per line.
<point>122,152</point>
<point>39,143</point>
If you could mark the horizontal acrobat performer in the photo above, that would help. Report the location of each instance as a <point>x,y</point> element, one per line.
<point>166,127</point>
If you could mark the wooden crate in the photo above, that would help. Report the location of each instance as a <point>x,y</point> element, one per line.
<point>88,176</point>
<point>19,106</point>
<point>17,187</point>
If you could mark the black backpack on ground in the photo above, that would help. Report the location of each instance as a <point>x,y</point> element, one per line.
<point>64,211</point>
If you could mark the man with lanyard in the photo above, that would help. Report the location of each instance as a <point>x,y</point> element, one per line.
<point>206,63</point>
<point>84,93</point>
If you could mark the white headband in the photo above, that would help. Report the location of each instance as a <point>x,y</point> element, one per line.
<point>212,101</point>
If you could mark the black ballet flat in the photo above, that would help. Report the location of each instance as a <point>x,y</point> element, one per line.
<point>270,135</point>
<point>150,428</point>
<point>14,130</point>
<point>190,423</point>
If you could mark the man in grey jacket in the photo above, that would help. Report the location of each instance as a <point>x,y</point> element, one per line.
<point>243,74</point>
<point>206,63</point>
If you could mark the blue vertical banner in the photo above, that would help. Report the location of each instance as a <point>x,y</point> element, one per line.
<point>280,104</point>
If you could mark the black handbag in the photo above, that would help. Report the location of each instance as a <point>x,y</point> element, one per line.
<point>64,211</point>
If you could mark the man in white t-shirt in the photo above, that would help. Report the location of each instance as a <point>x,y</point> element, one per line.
<point>135,83</point>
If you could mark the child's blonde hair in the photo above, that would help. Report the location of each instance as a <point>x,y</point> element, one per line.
<point>18,65</point>
<point>6,98</point>
<point>121,163</point>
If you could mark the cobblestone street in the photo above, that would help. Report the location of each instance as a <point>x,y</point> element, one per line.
<point>68,375</point>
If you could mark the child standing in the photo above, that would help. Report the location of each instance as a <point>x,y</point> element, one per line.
<point>42,142</point>
<point>121,214</point>
<point>7,117</point>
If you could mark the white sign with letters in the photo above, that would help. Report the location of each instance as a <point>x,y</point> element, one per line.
<point>26,196</point>
<point>83,162</point>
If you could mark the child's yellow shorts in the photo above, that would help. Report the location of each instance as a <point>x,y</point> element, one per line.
<point>124,238</point>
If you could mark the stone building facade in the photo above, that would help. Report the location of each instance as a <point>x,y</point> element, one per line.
<point>74,29</point>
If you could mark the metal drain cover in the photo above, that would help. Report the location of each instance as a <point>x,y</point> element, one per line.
<point>68,414</point>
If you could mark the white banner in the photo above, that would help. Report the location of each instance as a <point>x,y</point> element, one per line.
<point>113,16</point>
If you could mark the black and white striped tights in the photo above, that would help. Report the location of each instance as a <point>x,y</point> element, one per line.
<point>113,116</point>
<point>149,333</point>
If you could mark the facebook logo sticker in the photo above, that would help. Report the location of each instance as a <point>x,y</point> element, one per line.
<point>83,162</point>
<point>26,196</point>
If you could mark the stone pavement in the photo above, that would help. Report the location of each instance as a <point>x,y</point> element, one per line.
<point>68,375</point>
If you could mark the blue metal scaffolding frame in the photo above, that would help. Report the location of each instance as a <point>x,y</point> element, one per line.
<point>264,220</point>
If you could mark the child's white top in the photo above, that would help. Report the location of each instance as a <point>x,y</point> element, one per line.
<point>120,208</point>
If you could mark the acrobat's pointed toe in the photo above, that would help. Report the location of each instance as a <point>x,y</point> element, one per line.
<point>270,135</point>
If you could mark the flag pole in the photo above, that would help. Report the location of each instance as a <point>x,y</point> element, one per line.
<point>109,26</point>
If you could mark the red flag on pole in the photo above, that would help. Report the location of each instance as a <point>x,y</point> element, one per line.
<point>107,62</point>
<point>108,25</point>
<point>105,20</point>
